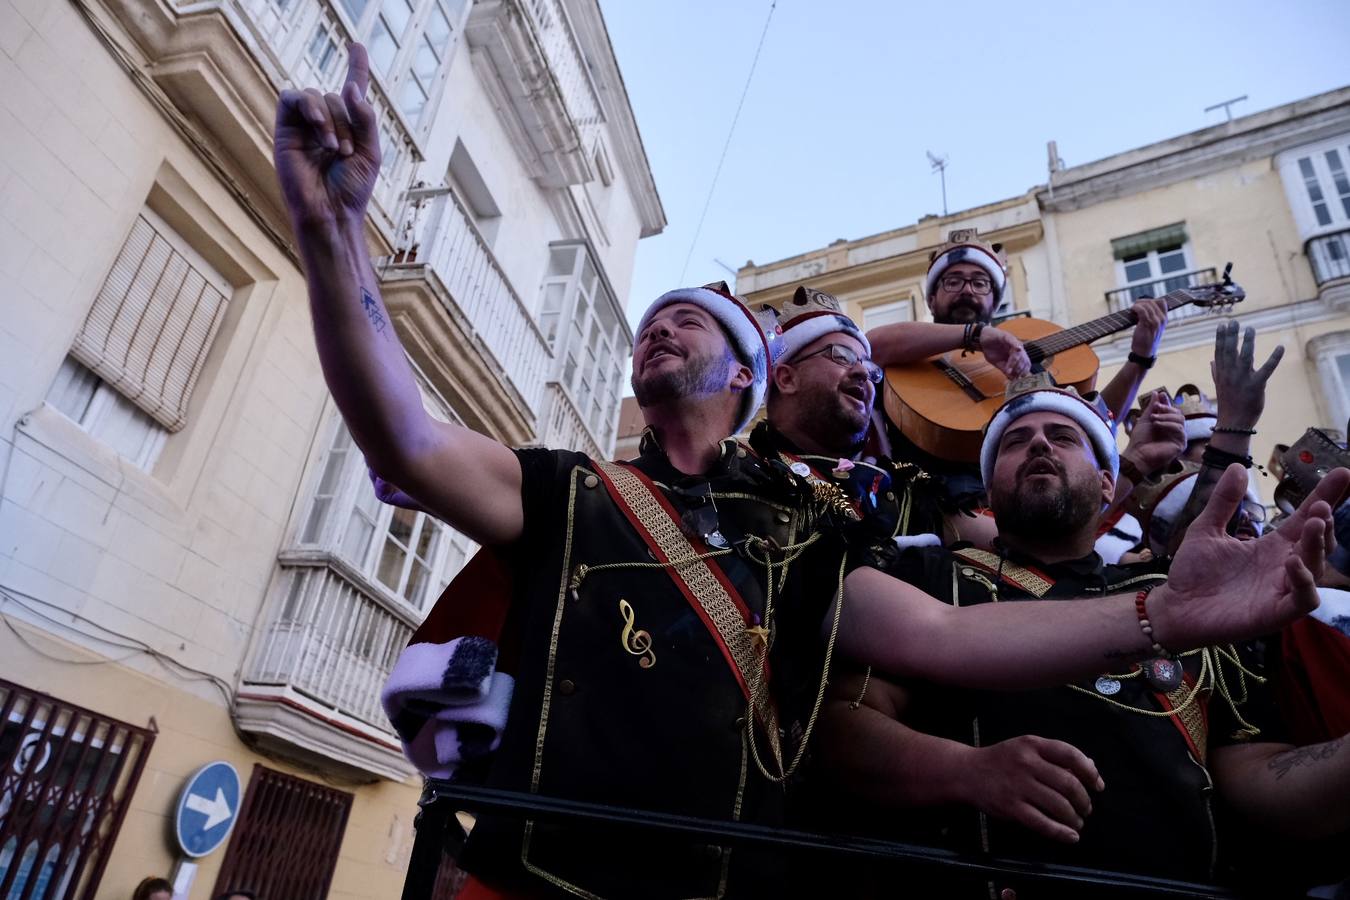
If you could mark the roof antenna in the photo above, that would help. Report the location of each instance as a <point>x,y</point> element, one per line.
<point>939,165</point>
<point>1226,106</point>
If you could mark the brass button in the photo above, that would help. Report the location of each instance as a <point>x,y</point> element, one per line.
<point>566,687</point>
<point>740,453</point>
<point>967,571</point>
<point>784,518</point>
<point>713,851</point>
<point>740,723</point>
<point>590,481</point>
<point>890,495</point>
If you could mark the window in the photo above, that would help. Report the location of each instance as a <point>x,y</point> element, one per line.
<point>1317,180</point>
<point>412,554</point>
<point>67,776</point>
<point>887,314</point>
<point>409,43</point>
<point>594,343</point>
<point>1152,263</point>
<point>287,838</point>
<point>1331,352</point>
<point>132,368</point>
<point>474,194</point>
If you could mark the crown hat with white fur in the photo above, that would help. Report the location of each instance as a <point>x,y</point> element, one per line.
<point>964,246</point>
<point>809,316</point>
<point>1056,400</point>
<point>745,331</point>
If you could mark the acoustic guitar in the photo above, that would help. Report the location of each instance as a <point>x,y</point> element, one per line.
<point>943,403</point>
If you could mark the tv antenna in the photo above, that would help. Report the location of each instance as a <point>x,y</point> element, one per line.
<point>1226,106</point>
<point>939,165</point>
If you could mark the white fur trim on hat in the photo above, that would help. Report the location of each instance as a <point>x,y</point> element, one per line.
<point>747,337</point>
<point>1173,501</point>
<point>1200,428</point>
<point>1119,540</point>
<point>967,253</point>
<point>809,328</point>
<point>1056,401</point>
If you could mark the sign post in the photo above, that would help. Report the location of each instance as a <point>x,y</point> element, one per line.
<point>206,811</point>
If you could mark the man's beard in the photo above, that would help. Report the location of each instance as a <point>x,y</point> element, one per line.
<point>964,310</point>
<point>1037,512</point>
<point>699,376</point>
<point>831,421</point>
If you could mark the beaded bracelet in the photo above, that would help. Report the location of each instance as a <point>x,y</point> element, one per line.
<point>1145,625</point>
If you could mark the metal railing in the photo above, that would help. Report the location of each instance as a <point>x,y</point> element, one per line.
<point>1329,255</point>
<point>438,233</point>
<point>330,639</point>
<point>307,42</point>
<point>1123,298</point>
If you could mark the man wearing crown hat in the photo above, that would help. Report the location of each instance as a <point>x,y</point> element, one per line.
<point>647,602</point>
<point>1110,771</point>
<point>820,416</point>
<point>966,280</point>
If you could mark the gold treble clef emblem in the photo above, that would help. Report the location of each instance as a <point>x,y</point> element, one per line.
<point>639,642</point>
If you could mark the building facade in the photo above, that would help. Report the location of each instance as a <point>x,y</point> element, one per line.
<point>193,566</point>
<point>1269,192</point>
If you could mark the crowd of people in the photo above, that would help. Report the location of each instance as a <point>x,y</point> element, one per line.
<point>1063,651</point>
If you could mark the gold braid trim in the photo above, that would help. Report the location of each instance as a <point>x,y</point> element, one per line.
<point>1022,577</point>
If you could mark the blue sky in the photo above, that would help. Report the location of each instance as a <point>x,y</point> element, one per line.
<point>847,96</point>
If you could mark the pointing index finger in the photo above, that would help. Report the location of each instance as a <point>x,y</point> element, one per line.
<point>358,67</point>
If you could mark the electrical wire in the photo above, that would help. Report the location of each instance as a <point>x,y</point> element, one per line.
<point>727,144</point>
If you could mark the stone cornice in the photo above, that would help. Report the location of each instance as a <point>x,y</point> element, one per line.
<point>625,138</point>
<point>1258,136</point>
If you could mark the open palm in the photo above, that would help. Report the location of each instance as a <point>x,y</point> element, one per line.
<point>327,148</point>
<point>1222,589</point>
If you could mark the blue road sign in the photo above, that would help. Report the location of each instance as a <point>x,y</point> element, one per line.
<point>207,808</point>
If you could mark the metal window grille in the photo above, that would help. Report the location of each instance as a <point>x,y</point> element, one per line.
<point>287,839</point>
<point>152,322</point>
<point>66,779</point>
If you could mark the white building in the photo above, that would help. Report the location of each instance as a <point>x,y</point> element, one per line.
<point>192,563</point>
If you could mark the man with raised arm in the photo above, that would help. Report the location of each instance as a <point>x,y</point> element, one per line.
<point>649,598</point>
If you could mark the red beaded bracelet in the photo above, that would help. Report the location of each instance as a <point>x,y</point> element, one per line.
<point>1144,624</point>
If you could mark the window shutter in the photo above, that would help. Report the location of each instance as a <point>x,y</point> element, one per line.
<point>1153,239</point>
<point>152,323</point>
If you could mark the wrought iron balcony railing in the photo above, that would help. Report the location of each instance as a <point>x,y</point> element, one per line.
<point>1329,255</point>
<point>1124,298</point>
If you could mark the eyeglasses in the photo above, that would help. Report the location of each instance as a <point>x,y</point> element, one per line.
<point>979,285</point>
<point>848,358</point>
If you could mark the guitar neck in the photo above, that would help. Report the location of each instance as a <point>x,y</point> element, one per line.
<point>1088,332</point>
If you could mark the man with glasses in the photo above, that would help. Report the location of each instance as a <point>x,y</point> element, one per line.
<point>821,395</point>
<point>966,281</point>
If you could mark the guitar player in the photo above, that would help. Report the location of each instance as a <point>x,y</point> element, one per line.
<point>965,282</point>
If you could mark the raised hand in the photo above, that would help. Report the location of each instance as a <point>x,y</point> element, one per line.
<point>1036,782</point>
<point>1221,589</point>
<point>327,148</point>
<point>1159,435</point>
<point>1239,386</point>
<point>1004,352</point>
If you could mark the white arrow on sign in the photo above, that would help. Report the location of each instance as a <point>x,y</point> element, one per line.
<point>216,811</point>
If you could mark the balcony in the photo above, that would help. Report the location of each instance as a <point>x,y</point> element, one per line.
<point>531,61</point>
<point>442,253</point>
<point>223,62</point>
<point>564,427</point>
<point>1123,298</point>
<point>314,681</point>
<point>304,44</point>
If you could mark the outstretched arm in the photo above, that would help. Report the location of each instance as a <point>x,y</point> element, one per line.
<point>1042,784</point>
<point>1220,590</point>
<point>1301,791</point>
<point>328,158</point>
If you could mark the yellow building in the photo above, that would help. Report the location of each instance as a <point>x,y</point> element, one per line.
<point>1269,192</point>
<point>193,567</point>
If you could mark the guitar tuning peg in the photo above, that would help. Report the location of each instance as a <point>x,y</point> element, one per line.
<point>1227,273</point>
